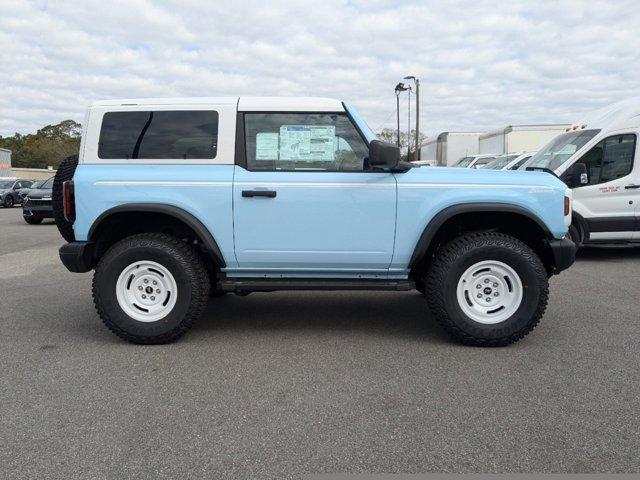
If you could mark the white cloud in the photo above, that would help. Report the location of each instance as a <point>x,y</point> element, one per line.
<point>482,64</point>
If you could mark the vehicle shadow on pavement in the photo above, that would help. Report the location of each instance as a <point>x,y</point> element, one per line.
<point>608,252</point>
<point>403,314</point>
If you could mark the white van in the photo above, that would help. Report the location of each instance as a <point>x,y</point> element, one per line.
<point>596,158</point>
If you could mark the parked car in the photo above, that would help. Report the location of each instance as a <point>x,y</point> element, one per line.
<point>509,161</point>
<point>474,161</point>
<point>174,200</point>
<point>516,163</point>
<point>37,204</point>
<point>597,158</point>
<point>424,163</point>
<point>9,191</point>
<point>22,193</point>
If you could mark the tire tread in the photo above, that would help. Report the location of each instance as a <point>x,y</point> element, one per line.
<point>442,264</point>
<point>200,282</point>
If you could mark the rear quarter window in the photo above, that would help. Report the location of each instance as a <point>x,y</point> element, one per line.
<point>153,135</point>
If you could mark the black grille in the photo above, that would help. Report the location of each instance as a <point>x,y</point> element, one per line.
<point>38,203</point>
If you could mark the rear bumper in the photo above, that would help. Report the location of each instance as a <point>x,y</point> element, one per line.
<point>77,256</point>
<point>564,253</point>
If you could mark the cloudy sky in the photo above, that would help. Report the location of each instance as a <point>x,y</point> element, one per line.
<point>482,64</point>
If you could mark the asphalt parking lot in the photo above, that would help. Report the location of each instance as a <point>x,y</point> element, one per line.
<point>276,385</point>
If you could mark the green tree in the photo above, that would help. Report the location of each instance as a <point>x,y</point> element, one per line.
<point>47,147</point>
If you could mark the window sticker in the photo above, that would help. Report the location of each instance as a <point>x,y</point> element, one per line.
<point>307,142</point>
<point>267,146</point>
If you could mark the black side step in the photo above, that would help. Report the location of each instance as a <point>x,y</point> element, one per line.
<point>273,284</point>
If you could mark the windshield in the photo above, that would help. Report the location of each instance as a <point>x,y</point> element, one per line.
<point>500,162</point>
<point>464,162</point>
<point>360,123</point>
<point>560,149</point>
<point>482,162</point>
<point>47,184</point>
<point>4,185</point>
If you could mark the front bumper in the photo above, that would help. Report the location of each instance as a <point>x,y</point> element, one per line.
<point>564,253</point>
<point>39,207</point>
<point>77,256</point>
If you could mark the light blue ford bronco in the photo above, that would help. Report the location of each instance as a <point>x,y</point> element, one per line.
<point>175,201</point>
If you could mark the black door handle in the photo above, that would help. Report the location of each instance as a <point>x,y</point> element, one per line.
<point>259,193</point>
<point>630,187</point>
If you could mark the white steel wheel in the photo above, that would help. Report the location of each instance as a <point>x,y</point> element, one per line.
<point>146,291</point>
<point>489,292</point>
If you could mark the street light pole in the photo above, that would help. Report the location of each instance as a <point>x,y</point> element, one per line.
<point>417,83</point>
<point>400,87</point>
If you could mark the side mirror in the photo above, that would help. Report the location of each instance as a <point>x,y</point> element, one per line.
<point>383,155</point>
<point>576,175</point>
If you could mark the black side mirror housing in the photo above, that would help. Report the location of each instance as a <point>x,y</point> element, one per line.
<point>576,175</point>
<point>383,155</point>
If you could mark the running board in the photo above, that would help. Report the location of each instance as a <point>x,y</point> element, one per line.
<point>274,284</point>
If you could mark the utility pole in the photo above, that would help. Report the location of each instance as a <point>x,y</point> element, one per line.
<point>417,83</point>
<point>409,124</point>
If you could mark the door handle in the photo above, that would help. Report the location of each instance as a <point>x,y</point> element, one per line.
<point>631,187</point>
<point>259,193</point>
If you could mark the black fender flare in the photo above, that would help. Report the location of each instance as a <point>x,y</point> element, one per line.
<point>441,217</point>
<point>208,242</point>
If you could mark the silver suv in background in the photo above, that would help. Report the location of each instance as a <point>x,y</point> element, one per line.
<point>9,191</point>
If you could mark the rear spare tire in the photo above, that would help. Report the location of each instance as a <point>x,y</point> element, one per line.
<point>65,172</point>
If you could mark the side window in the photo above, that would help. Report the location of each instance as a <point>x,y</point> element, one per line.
<point>156,135</point>
<point>610,159</point>
<point>303,142</point>
<point>618,157</point>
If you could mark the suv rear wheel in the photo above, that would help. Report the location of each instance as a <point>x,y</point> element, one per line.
<point>487,289</point>
<point>150,288</point>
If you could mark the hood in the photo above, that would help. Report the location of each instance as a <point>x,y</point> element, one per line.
<point>4,190</point>
<point>481,176</point>
<point>39,193</point>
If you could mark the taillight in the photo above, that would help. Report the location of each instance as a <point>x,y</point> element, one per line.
<point>68,201</point>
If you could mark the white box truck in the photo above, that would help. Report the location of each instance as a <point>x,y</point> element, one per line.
<point>449,147</point>
<point>519,138</point>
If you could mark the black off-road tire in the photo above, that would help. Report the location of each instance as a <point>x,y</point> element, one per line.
<point>450,263</point>
<point>32,219</point>
<point>185,264</point>
<point>9,202</point>
<point>65,172</point>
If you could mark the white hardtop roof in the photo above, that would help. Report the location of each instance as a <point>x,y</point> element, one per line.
<point>618,115</point>
<point>282,104</point>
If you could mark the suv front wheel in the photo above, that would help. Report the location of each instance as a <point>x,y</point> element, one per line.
<point>487,289</point>
<point>150,288</point>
